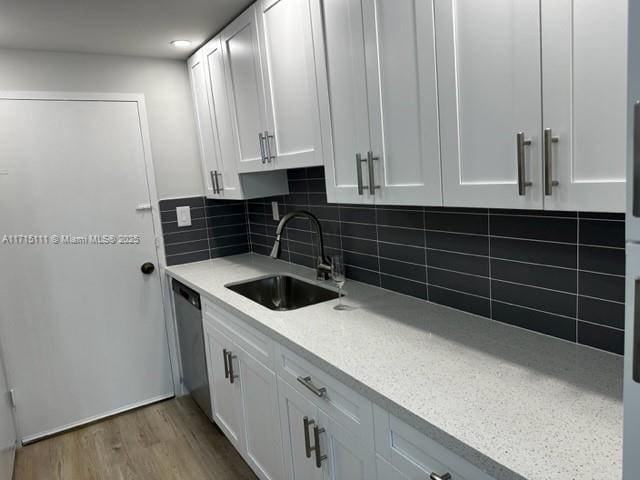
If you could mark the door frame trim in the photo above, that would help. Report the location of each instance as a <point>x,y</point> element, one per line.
<point>165,285</point>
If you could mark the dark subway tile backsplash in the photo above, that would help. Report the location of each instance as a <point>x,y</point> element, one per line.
<point>557,273</point>
<point>218,228</point>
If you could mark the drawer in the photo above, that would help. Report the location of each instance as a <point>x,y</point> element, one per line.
<point>386,471</point>
<point>246,337</point>
<point>415,455</point>
<point>348,408</point>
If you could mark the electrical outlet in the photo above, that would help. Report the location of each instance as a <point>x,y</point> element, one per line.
<point>184,216</point>
<point>275,211</point>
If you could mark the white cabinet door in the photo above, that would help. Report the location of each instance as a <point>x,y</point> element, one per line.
<point>348,456</point>
<point>263,438</point>
<point>226,173</point>
<point>584,57</point>
<point>488,58</point>
<point>291,88</point>
<point>209,152</point>
<point>294,409</point>
<point>403,101</point>
<point>226,397</point>
<point>240,44</point>
<point>346,130</point>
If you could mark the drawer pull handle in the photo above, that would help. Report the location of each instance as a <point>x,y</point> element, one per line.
<point>316,437</point>
<point>306,381</point>
<point>435,476</point>
<point>226,364</point>
<point>307,437</point>
<point>231,358</point>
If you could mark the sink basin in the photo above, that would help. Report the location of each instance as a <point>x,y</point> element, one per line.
<point>282,292</point>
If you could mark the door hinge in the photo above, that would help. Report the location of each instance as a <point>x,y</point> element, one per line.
<point>12,397</point>
<point>157,242</point>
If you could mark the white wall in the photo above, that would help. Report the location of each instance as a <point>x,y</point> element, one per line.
<point>165,84</point>
<point>7,430</point>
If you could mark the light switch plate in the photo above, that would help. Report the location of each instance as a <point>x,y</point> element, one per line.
<point>274,211</point>
<point>184,216</point>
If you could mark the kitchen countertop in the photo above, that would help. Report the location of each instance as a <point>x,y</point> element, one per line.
<point>516,404</point>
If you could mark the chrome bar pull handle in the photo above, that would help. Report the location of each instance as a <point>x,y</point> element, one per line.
<point>226,365</point>
<point>232,376</point>
<point>435,476</point>
<point>636,333</point>
<point>372,179</point>
<point>522,142</point>
<point>213,181</point>
<point>307,436</point>
<point>306,381</point>
<point>316,438</point>
<point>636,160</point>
<point>216,187</point>
<point>549,140</point>
<point>219,182</point>
<point>267,138</point>
<point>263,155</point>
<point>359,161</point>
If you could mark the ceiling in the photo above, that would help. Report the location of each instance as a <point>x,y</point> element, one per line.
<point>123,27</point>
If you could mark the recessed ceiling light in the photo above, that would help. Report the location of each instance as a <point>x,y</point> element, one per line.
<point>181,43</point>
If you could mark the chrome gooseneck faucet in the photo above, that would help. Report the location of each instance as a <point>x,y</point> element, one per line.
<point>323,264</point>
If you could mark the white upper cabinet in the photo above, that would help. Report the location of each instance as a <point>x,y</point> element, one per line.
<point>383,124</point>
<point>290,83</point>
<point>584,55</point>
<point>403,101</point>
<point>346,130</point>
<point>224,177</point>
<point>489,91</point>
<point>245,90</point>
<point>209,152</point>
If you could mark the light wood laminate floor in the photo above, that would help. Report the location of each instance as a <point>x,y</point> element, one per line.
<point>167,440</point>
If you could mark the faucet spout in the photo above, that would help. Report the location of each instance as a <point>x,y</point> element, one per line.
<point>323,265</point>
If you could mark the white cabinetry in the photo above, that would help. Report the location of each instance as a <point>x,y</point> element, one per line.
<point>218,145</point>
<point>244,390</point>
<point>382,134</point>
<point>554,71</point>
<point>272,86</point>
<point>584,93</point>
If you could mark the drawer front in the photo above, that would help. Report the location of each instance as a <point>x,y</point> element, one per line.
<point>386,471</point>
<point>246,337</point>
<point>415,455</point>
<point>350,409</point>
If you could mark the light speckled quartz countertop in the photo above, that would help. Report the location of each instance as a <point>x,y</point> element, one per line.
<point>514,403</point>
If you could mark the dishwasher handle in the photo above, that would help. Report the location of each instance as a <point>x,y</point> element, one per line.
<point>187,293</point>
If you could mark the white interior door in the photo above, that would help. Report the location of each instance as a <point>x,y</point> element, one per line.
<point>584,84</point>
<point>488,56</point>
<point>228,179</point>
<point>245,89</point>
<point>290,82</point>
<point>346,130</point>
<point>83,329</point>
<point>403,99</point>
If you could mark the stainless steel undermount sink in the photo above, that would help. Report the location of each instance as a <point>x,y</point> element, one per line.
<point>283,292</point>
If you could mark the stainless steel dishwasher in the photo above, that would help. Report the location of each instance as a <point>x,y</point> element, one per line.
<point>192,350</point>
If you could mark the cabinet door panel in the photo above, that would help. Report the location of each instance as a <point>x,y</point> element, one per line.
<point>489,83</point>
<point>206,140</point>
<point>227,162</point>
<point>584,94</point>
<point>227,397</point>
<point>290,83</point>
<point>349,457</point>
<point>293,408</point>
<point>403,100</point>
<point>262,427</point>
<point>245,90</point>
<point>347,129</point>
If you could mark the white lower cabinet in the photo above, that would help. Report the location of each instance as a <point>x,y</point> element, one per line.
<point>291,420</point>
<point>404,452</point>
<point>225,389</point>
